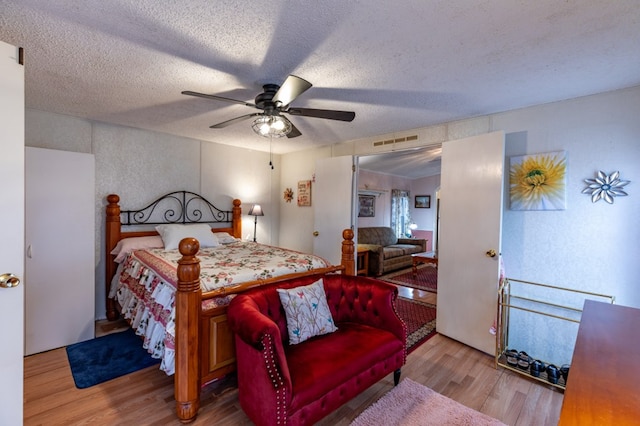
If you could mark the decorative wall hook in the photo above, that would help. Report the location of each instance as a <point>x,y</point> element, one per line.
<point>605,187</point>
<point>288,195</point>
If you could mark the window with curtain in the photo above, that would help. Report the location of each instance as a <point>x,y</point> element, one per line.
<point>400,215</point>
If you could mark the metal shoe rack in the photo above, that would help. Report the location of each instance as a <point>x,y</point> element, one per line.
<point>509,300</point>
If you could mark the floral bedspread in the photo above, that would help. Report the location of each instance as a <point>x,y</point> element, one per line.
<point>146,282</point>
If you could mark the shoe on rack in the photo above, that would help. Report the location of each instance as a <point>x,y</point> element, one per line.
<point>553,374</point>
<point>564,371</point>
<point>512,357</point>
<point>524,360</point>
<point>537,367</point>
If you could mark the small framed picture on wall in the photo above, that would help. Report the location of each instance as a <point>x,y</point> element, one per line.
<point>423,202</point>
<point>366,205</point>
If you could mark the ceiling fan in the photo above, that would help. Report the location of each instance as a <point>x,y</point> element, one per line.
<point>274,102</point>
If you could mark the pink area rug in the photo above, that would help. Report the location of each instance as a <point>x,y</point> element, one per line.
<point>426,278</point>
<point>420,319</point>
<point>412,404</point>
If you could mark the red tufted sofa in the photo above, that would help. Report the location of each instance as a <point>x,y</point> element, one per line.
<point>283,384</point>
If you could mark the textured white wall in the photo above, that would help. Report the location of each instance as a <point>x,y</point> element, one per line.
<point>425,218</point>
<point>141,166</point>
<point>297,222</point>
<point>55,131</point>
<point>591,247</point>
<point>386,182</point>
<point>245,174</point>
<point>588,246</point>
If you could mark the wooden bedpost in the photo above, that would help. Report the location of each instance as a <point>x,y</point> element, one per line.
<point>237,219</point>
<point>347,252</point>
<point>188,305</point>
<point>112,236</point>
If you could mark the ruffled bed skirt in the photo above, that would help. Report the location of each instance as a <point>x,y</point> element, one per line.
<point>148,303</point>
<point>157,340</point>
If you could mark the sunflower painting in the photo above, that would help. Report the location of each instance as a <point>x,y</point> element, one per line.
<point>537,182</point>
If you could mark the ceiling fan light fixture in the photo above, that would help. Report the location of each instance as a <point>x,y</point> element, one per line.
<point>278,125</point>
<point>271,126</point>
<point>274,101</point>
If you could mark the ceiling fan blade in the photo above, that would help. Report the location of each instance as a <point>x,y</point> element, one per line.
<point>292,87</point>
<point>234,120</point>
<point>294,133</point>
<point>323,113</point>
<point>218,98</point>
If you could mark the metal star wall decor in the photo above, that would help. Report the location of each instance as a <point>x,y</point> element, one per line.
<point>605,187</point>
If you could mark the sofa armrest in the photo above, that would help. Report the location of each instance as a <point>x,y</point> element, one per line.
<point>262,364</point>
<point>251,325</point>
<point>415,241</point>
<point>366,301</point>
<point>375,248</point>
<point>257,331</point>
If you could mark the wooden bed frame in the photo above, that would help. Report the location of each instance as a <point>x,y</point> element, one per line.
<point>204,345</point>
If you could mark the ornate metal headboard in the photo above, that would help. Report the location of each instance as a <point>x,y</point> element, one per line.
<point>177,207</point>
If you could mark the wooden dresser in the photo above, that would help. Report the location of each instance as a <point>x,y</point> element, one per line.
<point>604,381</point>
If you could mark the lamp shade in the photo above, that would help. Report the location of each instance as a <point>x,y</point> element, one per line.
<point>256,210</point>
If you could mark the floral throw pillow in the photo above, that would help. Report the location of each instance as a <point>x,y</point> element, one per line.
<point>307,312</point>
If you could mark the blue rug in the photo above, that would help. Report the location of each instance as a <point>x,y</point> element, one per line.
<point>107,357</point>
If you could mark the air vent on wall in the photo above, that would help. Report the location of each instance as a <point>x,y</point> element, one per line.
<point>397,140</point>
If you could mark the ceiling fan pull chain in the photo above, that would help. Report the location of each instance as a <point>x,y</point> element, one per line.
<point>270,152</point>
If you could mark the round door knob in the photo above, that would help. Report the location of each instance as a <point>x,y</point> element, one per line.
<point>491,253</point>
<point>316,233</point>
<point>9,280</point>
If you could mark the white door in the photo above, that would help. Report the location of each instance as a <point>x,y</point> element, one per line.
<point>12,226</point>
<point>332,202</point>
<point>470,227</point>
<point>60,264</point>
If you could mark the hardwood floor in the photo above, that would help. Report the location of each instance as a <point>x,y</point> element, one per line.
<point>146,397</point>
<point>414,293</point>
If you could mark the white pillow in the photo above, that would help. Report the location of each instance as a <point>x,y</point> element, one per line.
<point>173,233</point>
<point>225,238</point>
<point>307,312</point>
<point>127,245</point>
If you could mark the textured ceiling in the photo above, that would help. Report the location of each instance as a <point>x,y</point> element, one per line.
<point>411,163</point>
<point>398,65</point>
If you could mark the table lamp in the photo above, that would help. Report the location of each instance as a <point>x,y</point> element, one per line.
<point>256,211</point>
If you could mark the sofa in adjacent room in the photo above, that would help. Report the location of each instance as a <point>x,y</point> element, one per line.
<point>386,251</point>
<point>285,380</point>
